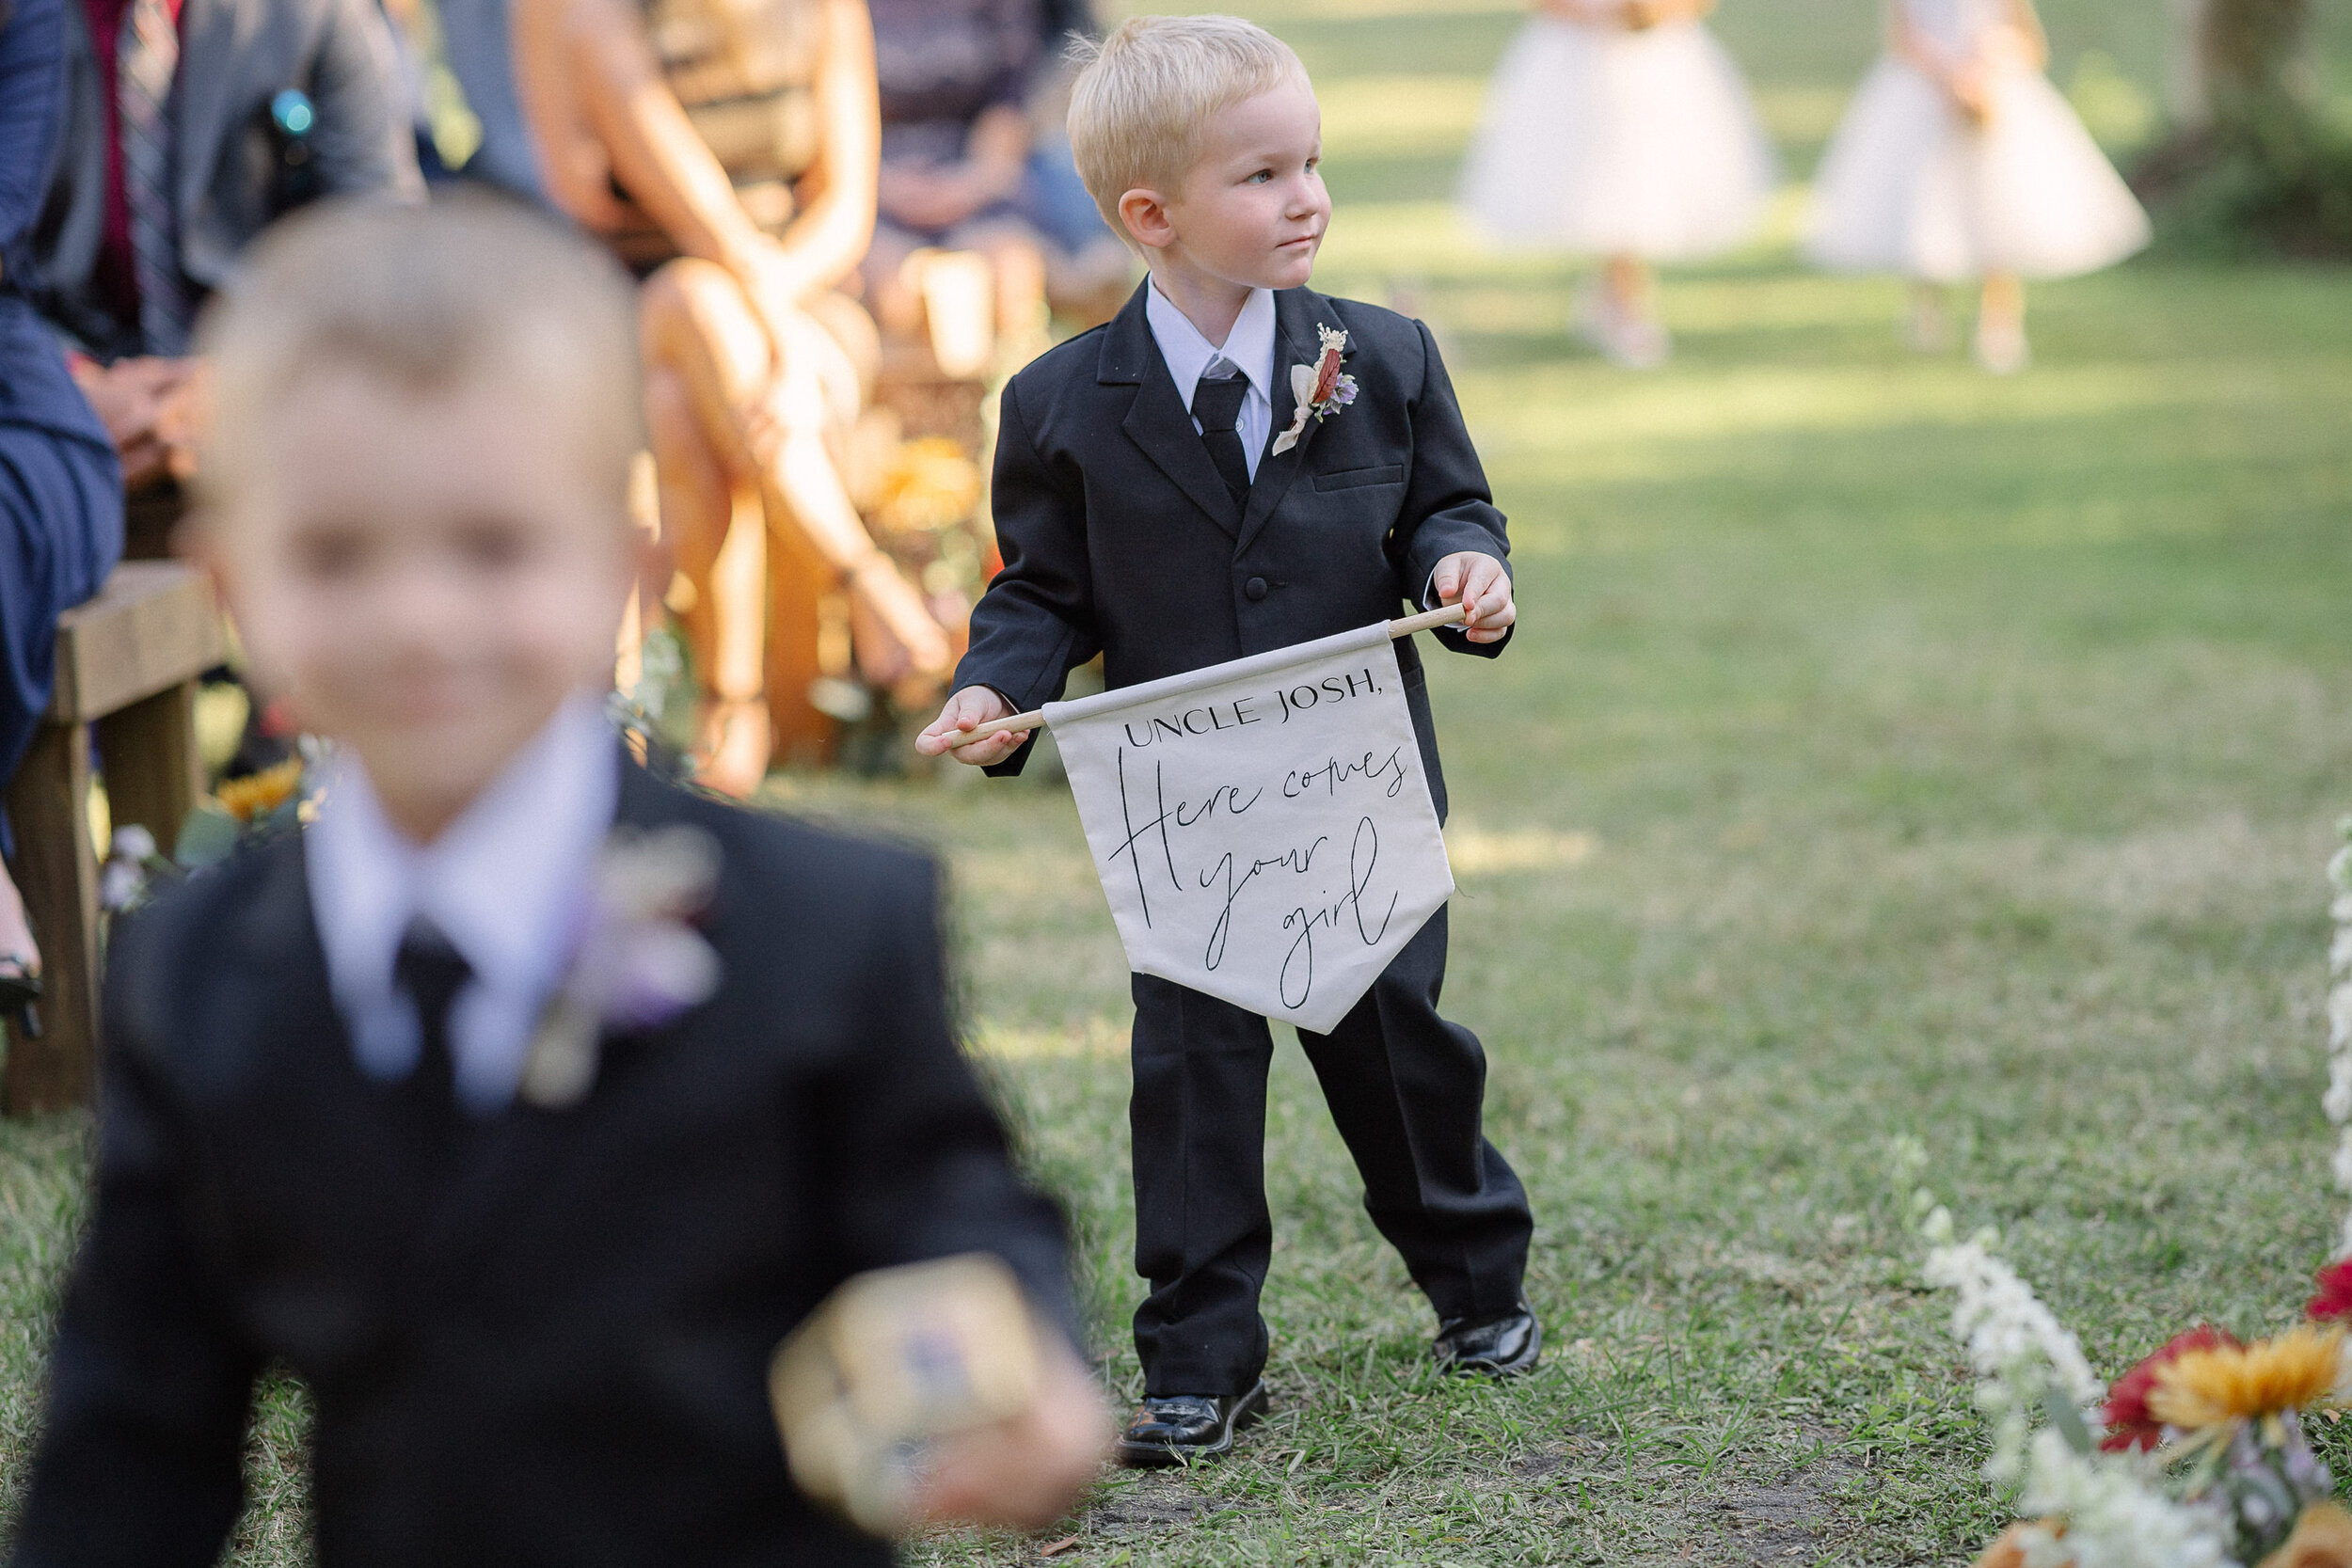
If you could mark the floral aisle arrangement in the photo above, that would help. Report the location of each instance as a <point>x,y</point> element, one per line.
<point>258,807</point>
<point>2196,1457</point>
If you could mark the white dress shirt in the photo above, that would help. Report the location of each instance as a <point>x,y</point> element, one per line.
<point>507,884</point>
<point>1249,347</point>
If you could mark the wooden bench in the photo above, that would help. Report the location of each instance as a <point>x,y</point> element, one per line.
<point>127,663</point>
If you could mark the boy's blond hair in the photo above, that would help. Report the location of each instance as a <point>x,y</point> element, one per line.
<point>427,298</point>
<point>1145,94</point>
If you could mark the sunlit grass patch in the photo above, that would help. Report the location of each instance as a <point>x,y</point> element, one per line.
<point>1475,852</point>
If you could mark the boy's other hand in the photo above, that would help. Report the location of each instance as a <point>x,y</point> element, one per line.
<point>968,708</point>
<point>1024,1473</point>
<point>1480,583</point>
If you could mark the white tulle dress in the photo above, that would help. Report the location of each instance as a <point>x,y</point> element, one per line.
<point>1912,185</point>
<point>1605,141</point>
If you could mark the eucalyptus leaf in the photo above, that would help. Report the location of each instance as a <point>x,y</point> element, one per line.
<point>208,836</point>
<point>2067,1420</point>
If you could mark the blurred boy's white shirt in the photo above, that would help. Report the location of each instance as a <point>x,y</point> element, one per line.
<point>1249,347</point>
<point>506,883</point>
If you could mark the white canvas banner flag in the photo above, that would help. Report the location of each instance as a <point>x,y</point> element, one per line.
<point>1263,828</point>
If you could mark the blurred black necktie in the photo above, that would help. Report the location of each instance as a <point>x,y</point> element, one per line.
<point>1217,404</point>
<point>432,972</point>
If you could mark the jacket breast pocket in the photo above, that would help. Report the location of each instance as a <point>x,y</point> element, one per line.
<point>1351,478</point>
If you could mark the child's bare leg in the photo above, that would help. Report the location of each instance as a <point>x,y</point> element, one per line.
<point>1634,337</point>
<point>1632,287</point>
<point>1927,329</point>
<point>2001,346</point>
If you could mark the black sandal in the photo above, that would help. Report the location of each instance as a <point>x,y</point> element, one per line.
<point>20,988</point>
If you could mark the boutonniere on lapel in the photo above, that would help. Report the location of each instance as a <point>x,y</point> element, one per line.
<point>1318,390</point>
<point>637,962</point>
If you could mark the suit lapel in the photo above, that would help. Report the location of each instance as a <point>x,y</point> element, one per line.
<point>1295,343</point>
<point>1156,421</point>
<point>302,1052</point>
<point>509,1157</point>
<point>202,94</point>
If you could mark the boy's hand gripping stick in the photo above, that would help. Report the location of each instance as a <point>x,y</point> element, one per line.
<point>1444,616</point>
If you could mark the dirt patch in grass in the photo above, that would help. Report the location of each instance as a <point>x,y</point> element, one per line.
<point>1793,1517</point>
<point>1148,1504</point>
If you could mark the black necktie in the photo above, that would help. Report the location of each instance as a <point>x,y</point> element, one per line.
<point>432,972</point>
<point>1217,406</point>
<point>147,59</point>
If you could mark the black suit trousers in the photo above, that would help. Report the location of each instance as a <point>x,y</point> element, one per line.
<point>1404,1088</point>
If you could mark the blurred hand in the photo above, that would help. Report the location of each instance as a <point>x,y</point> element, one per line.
<point>777,278</point>
<point>1024,1473</point>
<point>972,706</point>
<point>179,420</point>
<point>930,198</point>
<point>135,400</point>
<point>1479,581</point>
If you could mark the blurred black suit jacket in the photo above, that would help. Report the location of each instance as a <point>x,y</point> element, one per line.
<point>1118,538</point>
<point>558,1357</point>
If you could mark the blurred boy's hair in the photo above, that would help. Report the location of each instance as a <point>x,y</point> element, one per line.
<point>1145,94</point>
<point>428,298</point>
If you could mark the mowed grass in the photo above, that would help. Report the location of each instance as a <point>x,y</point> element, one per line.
<point>1887,750</point>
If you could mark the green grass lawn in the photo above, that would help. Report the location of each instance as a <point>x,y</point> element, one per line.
<point>1887,750</point>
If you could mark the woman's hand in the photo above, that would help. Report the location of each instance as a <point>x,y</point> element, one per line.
<point>995,157</point>
<point>136,400</point>
<point>930,199</point>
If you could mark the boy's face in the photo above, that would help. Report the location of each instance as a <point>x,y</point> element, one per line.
<point>1253,210</point>
<point>424,577</point>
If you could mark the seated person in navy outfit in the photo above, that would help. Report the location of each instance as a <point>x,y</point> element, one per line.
<point>60,487</point>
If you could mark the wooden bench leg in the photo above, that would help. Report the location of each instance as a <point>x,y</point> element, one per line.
<point>57,871</point>
<point>154,775</point>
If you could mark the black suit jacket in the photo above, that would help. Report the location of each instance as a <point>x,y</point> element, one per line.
<point>1119,537</point>
<point>236,55</point>
<point>560,1359</point>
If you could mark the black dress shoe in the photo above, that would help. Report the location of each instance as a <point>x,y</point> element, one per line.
<point>1182,1427</point>
<point>1500,1347</point>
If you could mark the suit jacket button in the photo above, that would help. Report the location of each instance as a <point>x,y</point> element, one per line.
<point>1254,589</point>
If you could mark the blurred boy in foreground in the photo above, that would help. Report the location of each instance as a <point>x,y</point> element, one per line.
<point>521,1103</point>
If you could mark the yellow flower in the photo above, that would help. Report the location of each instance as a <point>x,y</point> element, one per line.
<point>251,799</point>
<point>2232,1383</point>
<point>931,485</point>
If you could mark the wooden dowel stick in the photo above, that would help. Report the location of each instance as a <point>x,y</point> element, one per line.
<point>1445,616</point>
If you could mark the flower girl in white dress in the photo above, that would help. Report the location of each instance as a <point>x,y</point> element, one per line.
<point>1621,129</point>
<point>1959,161</point>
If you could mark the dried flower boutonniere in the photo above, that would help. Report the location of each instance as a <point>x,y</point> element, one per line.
<point>1318,388</point>
<point>637,962</point>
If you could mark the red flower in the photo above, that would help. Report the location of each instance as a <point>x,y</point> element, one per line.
<point>2335,1292</point>
<point>2128,1423</point>
<point>1327,377</point>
